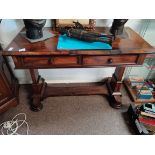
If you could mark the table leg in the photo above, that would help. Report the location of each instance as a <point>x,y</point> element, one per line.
<point>114,87</point>
<point>38,88</point>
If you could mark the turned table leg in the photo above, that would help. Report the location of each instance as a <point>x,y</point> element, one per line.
<point>38,87</point>
<point>114,87</point>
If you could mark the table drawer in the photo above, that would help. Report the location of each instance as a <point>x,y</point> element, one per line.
<point>110,60</point>
<point>76,61</point>
<point>65,60</point>
<point>35,60</point>
<point>47,61</point>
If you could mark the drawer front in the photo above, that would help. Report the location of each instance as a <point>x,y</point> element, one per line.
<point>70,60</point>
<point>110,60</point>
<point>48,61</point>
<point>35,60</point>
<point>76,61</point>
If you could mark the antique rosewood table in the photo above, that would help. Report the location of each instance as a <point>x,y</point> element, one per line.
<point>128,51</point>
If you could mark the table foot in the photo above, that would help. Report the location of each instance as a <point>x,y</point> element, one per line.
<point>36,104</point>
<point>36,109</point>
<point>115,102</point>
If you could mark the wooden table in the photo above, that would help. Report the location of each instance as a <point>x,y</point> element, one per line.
<point>128,51</point>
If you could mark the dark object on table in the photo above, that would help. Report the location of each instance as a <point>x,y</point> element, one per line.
<point>118,26</point>
<point>86,35</point>
<point>34,28</point>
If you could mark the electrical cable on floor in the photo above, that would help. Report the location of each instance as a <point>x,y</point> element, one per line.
<point>12,127</point>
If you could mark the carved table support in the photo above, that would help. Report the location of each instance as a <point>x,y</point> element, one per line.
<point>38,88</point>
<point>42,91</point>
<point>114,87</point>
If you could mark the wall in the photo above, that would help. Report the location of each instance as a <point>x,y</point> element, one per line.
<point>10,28</point>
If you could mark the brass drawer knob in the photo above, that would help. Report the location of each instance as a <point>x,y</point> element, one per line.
<point>110,60</point>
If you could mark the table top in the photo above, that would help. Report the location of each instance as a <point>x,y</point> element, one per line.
<point>130,44</point>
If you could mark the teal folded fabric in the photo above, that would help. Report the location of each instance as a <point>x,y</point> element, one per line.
<point>67,43</point>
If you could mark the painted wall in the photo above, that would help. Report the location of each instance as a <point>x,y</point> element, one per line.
<point>10,28</point>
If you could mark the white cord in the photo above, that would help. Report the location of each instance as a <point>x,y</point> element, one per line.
<point>11,127</point>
